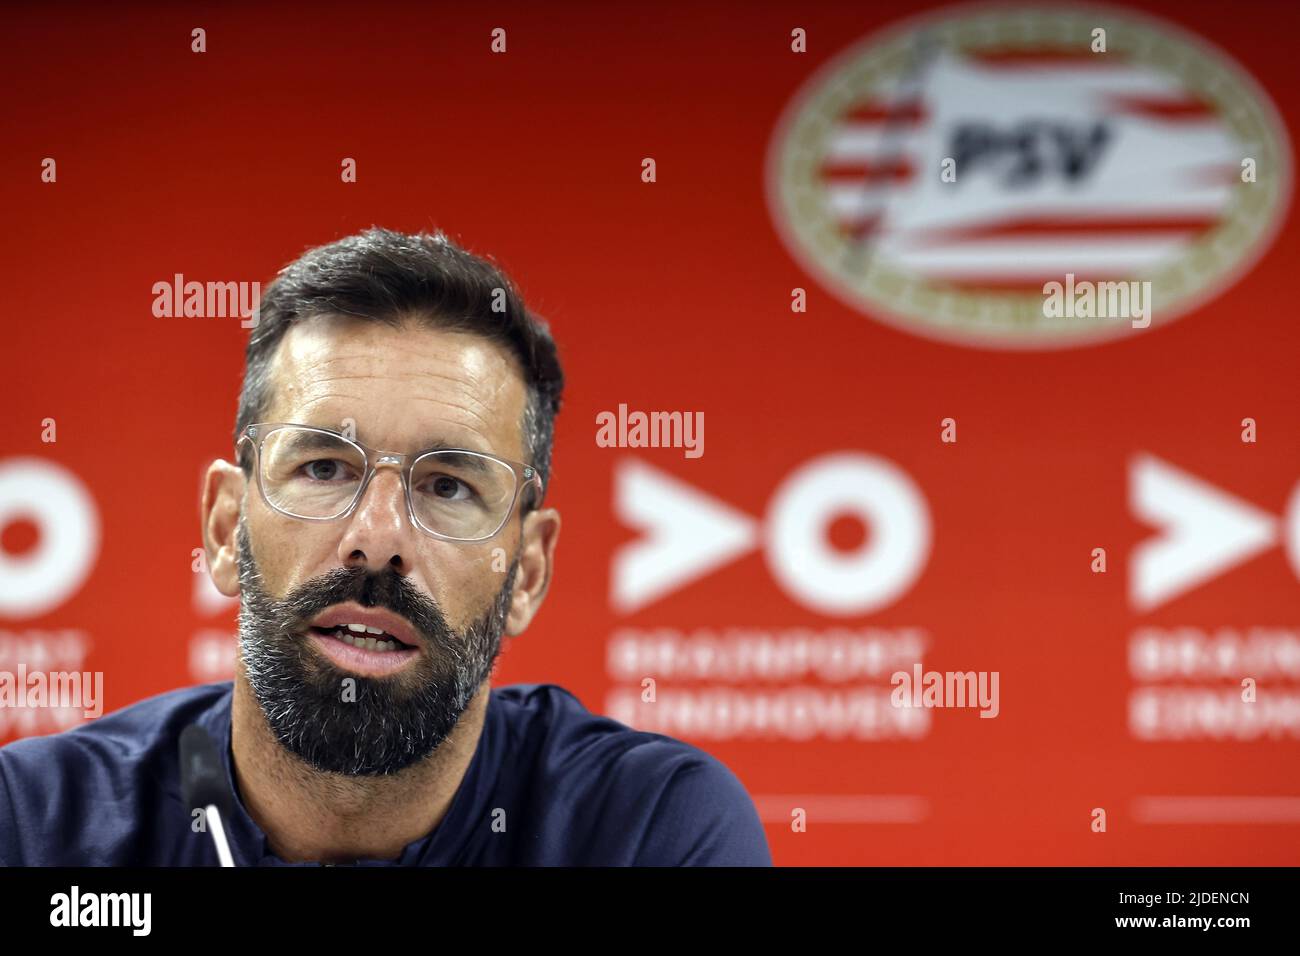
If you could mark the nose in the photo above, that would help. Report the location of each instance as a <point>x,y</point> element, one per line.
<point>378,532</point>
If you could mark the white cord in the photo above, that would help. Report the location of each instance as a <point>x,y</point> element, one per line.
<point>219,835</point>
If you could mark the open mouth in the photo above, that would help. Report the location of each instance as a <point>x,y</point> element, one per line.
<point>366,638</point>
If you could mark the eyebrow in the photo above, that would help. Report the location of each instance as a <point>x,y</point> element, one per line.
<point>315,439</point>
<point>307,440</point>
<point>468,462</point>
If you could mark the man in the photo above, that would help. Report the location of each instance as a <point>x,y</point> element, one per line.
<point>383,528</point>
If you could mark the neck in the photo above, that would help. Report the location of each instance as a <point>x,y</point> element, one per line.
<point>312,816</point>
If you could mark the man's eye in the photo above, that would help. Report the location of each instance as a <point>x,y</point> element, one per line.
<point>448,488</point>
<point>324,469</point>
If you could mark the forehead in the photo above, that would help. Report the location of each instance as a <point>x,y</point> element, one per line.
<point>404,388</point>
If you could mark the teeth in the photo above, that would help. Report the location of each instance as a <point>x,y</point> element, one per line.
<point>362,629</point>
<point>366,643</point>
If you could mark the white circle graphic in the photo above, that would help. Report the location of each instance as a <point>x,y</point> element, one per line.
<point>886,499</point>
<point>58,502</point>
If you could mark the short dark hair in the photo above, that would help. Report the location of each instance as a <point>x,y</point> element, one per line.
<point>386,276</point>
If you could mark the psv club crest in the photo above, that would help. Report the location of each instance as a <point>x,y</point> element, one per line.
<point>939,174</point>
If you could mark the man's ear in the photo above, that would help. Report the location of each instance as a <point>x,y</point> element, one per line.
<point>536,564</point>
<point>223,496</point>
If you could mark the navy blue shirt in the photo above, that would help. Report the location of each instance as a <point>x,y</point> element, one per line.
<point>577,789</point>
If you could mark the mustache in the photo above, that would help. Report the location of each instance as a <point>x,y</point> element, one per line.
<point>386,589</point>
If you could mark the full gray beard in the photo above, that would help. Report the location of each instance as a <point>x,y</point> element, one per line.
<point>373,725</point>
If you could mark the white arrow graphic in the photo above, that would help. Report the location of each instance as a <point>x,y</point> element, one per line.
<point>1205,531</point>
<point>687,534</point>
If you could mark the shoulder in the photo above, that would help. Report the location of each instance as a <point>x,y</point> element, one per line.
<point>121,760</point>
<point>669,802</point>
<point>549,718</point>
<point>123,735</point>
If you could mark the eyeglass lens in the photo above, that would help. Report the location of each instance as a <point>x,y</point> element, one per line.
<point>314,474</point>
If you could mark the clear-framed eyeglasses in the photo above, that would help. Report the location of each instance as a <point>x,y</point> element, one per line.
<point>317,474</point>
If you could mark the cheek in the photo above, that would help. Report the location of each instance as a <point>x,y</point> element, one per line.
<point>290,552</point>
<point>466,581</point>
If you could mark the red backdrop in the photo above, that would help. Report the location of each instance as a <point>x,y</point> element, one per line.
<point>676,295</point>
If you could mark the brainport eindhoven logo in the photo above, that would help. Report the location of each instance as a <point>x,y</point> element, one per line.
<point>688,534</point>
<point>937,176</point>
